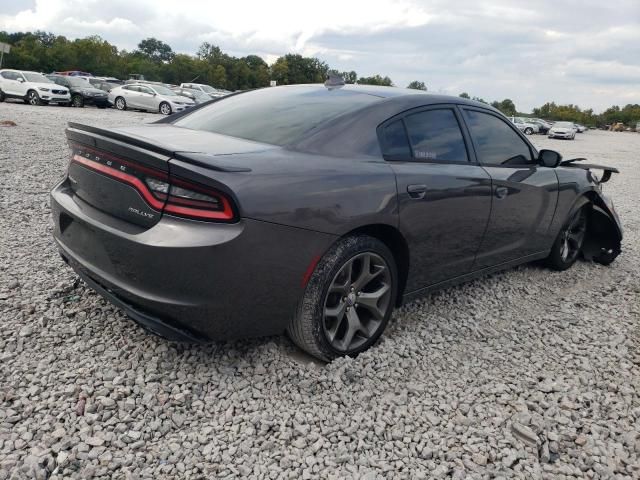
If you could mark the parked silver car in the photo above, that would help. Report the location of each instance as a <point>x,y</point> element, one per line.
<point>563,130</point>
<point>524,125</point>
<point>209,90</point>
<point>152,98</point>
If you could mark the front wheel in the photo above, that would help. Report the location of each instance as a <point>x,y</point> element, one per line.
<point>33,98</point>
<point>120,103</point>
<point>568,244</point>
<point>165,108</point>
<point>77,101</point>
<point>528,131</point>
<point>348,300</point>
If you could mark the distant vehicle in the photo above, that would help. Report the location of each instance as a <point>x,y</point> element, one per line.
<point>103,84</point>
<point>108,79</point>
<point>73,73</point>
<point>196,95</point>
<point>31,87</point>
<point>543,125</point>
<point>136,76</point>
<point>617,127</point>
<point>208,89</point>
<point>82,92</point>
<point>524,125</point>
<point>580,128</point>
<point>152,98</point>
<point>563,130</point>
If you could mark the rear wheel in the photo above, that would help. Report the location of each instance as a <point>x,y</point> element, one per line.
<point>77,101</point>
<point>568,244</point>
<point>165,108</point>
<point>348,300</point>
<point>1,96</point>
<point>120,103</point>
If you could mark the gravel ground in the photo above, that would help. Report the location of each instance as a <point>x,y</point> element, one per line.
<point>525,374</point>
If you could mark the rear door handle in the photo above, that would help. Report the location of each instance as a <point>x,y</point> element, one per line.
<point>417,191</point>
<point>502,192</point>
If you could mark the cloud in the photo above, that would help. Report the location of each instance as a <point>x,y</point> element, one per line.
<point>570,52</point>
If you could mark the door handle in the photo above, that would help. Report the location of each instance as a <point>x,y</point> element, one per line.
<point>417,191</point>
<point>502,192</point>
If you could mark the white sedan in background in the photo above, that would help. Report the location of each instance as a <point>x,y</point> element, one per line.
<point>563,130</point>
<point>148,97</point>
<point>525,126</point>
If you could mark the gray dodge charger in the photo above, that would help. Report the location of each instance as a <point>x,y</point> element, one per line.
<point>315,210</point>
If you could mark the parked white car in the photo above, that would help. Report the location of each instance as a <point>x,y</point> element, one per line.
<point>31,87</point>
<point>152,98</point>
<point>563,130</point>
<point>525,126</point>
<point>208,89</point>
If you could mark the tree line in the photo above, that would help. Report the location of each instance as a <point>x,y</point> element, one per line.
<point>156,60</point>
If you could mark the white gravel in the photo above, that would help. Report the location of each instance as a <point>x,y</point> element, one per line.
<point>525,374</point>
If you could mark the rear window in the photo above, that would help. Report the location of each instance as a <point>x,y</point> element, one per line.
<point>277,116</point>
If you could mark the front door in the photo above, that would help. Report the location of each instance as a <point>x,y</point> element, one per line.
<point>524,194</point>
<point>444,195</point>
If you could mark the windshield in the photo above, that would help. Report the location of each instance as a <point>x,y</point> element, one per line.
<point>278,116</point>
<point>563,124</point>
<point>198,94</point>
<point>78,82</point>
<point>160,90</point>
<point>36,77</point>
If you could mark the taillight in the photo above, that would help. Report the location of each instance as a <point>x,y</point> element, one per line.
<point>163,192</point>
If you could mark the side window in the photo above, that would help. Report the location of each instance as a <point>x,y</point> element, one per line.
<point>396,144</point>
<point>8,75</point>
<point>436,135</point>
<point>133,88</point>
<point>146,90</point>
<point>496,142</point>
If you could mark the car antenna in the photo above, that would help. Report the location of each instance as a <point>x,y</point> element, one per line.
<point>334,80</point>
<point>197,77</point>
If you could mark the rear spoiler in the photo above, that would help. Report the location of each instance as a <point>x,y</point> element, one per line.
<point>80,132</point>
<point>588,166</point>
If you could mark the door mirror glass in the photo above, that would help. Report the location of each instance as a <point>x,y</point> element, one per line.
<point>549,158</point>
<point>20,79</point>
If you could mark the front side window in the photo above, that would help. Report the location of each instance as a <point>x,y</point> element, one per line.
<point>435,135</point>
<point>496,142</point>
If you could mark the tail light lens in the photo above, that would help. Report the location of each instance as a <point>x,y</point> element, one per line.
<point>163,192</point>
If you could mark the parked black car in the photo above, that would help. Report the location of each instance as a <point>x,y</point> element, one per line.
<point>82,92</point>
<point>316,210</point>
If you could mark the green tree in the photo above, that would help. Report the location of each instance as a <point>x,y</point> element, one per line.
<point>416,85</point>
<point>376,80</point>
<point>156,50</point>
<point>464,95</point>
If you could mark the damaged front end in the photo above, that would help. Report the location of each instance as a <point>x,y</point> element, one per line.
<point>604,230</point>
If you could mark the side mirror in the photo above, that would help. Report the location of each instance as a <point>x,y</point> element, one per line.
<point>549,158</point>
<point>20,79</point>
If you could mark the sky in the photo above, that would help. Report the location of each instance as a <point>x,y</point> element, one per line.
<point>583,52</point>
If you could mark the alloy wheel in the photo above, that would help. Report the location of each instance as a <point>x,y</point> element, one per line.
<point>357,302</point>
<point>165,109</point>
<point>120,104</point>
<point>77,101</point>
<point>33,98</point>
<point>573,237</point>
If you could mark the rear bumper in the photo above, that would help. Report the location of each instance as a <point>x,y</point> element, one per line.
<point>189,280</point>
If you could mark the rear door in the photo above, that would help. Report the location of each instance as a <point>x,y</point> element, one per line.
<point>524,194</point>
<point>131,94</point>
<point>444,195</point>
<point>9,83</point>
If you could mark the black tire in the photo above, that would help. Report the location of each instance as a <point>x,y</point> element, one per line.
<point>568,245</point>
<point>164,108</point>
<point>33,98</point>
<point>2,97</point>
<point>77,101</point>
<point>312,326</point>
<point>528,131</point>
<point>120,103</point>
